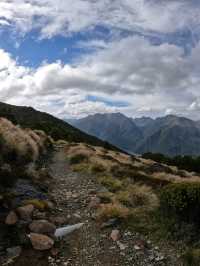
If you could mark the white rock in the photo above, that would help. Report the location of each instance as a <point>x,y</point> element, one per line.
<point>121,246</point>
<point>137,247</point>
<point>63,231</point>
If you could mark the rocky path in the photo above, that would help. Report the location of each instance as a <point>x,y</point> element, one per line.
<point>91,245</point>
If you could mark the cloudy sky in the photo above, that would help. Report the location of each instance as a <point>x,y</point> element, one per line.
<point>78,57</point>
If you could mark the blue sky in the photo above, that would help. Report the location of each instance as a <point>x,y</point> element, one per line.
<point>75,58</point>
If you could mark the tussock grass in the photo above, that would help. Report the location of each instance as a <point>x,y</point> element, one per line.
<point>112,210</point>
<point>97,168</point>
<point>81,168</point>
<point>111,183</point>
<point>136,195</point>
<point>191,257</point>
<point>21,145</point>
<point>78,158</point>
<point>19,148</point>
<point>106,197</point>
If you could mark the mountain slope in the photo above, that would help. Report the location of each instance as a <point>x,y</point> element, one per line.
<point>30,118</point>
<point>170,135</point>
<point>143,122</point>
<point>115,128</point>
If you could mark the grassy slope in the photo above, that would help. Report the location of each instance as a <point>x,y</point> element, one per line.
<point>58,129</point>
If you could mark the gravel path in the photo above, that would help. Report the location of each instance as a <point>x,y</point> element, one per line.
<point>91,245</point>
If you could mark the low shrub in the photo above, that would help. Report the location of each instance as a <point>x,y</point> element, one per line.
<point>138,196</point>
<point>78,158</point>
<point>182,202</point>
<point>111,183</point>
<point>123,171</point>
<point>192,257</point>
<point>107,157</point>
<point>81,168</point>
<point>112,210</point>
<point>97,168</point>
<point>106,197</point>
<point>189,163</point>
<point>20,148</point>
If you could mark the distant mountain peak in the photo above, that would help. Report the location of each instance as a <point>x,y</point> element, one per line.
<point>170,134</point>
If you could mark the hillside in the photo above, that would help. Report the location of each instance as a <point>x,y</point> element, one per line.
<point>28,117</point>
<point>66,203</point>
<point>170,135</point>
<point>114,128</point>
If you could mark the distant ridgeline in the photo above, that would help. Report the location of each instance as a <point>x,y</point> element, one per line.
<point>186,162</point>
<point>171,135</point>
<point>28,117</point>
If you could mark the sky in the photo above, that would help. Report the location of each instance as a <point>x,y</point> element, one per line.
<point>74,58</point>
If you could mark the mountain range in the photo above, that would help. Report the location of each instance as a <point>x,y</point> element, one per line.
<point>171,135</point>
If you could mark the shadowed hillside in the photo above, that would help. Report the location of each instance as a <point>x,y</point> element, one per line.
<point>28,117</point>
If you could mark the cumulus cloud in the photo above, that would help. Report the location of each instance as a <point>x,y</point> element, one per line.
<point>66,16</point>
<point>154,80</point>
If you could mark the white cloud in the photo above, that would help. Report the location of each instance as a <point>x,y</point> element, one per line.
<point>151,78</point>
<point>66,16</point>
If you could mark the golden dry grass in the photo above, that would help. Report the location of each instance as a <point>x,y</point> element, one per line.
<point>108,160</point>
<point>111,183</point>
<point>23,143</point>
<point>112,210</point>
<point>137,195</point>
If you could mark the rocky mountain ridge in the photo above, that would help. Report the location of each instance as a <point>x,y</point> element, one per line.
<point>170,135</point>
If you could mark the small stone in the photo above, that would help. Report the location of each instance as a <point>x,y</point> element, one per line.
<point>25,212</point>
<point>137,247</point>
<point>159,258</point>
<point>110,223</point>
<point>95,202</point>
<point>140,245</point>
<point>54,252</point>
<point>59,220</point>
<point>128,233</point>
<point>76,215</point>
<point>11,219</point>
<point>49,205</point>
<point>121,245</point>
<point>42,227</point>
<point>39,215</point>
<point>41,242</point>
<point>115,235</point>
<point>68,194</point>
